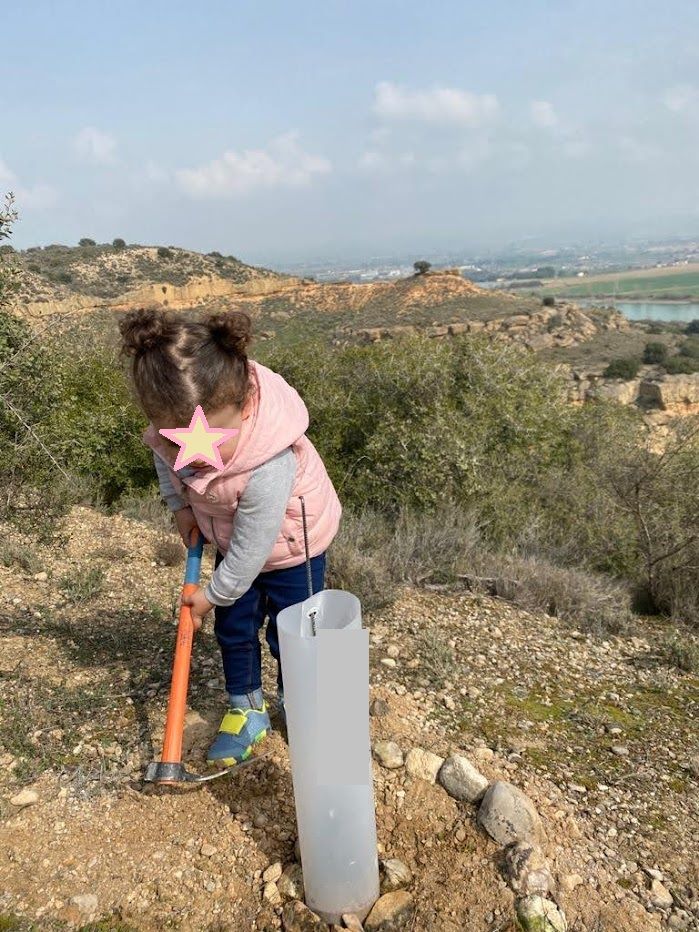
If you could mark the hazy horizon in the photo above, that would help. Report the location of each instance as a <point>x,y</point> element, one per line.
<point>285,135</point>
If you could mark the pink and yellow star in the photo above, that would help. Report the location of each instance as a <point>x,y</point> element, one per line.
<point>199,441</point>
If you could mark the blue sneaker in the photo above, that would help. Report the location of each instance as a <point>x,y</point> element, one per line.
<point>244,725</point>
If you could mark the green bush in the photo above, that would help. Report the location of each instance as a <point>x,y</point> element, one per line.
<point>119,243</point>
<point>655,353</point>
<point>624,367</point>
<point>693,326</point>
<point>690,348</point>
<point>86,241</point>
<point>549,301</point>
<point>164,252</point>
<point>681,365</point>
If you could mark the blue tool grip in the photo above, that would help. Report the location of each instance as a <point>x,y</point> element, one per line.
<point>192,571</point>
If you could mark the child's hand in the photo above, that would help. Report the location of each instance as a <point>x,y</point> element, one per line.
<point>185,521</point>
<point>200,606</point>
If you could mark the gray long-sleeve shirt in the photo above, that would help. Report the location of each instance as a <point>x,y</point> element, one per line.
<point>258,520</point>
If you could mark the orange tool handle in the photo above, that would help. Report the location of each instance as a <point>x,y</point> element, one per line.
<point>177,703</point>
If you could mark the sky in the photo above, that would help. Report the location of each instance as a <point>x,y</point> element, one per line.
<point>286,132</point>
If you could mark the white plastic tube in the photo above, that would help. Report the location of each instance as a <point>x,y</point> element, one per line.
<point>326,697</point>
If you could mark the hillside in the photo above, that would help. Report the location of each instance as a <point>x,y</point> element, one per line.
<point>599,734</point>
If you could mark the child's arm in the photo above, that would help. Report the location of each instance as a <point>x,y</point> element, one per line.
<point>167,490</point>
<point>258,520</point>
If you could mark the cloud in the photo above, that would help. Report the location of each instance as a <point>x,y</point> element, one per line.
<point>93,145</point>
<point>680,98</point>
<point>543,114</point>
<point>33,197</point>
<point>282,164</point>
<point>440,105</point>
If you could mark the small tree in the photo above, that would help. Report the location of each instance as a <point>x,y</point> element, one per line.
<point>86,241</point>
<point>655,353</point>
<point>549,301</point>
<point>693,326</point>
<point>119,243</point>
<point>164,252</point>
<point>421,267</point>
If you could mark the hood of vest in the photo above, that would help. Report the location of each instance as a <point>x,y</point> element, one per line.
<point>274,418</point>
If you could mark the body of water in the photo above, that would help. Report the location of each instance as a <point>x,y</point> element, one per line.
<point>679,311</point>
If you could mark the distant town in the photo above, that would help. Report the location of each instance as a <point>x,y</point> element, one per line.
<point>514,266</point>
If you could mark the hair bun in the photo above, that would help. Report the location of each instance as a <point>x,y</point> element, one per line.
<point>146,329</point>
<point>231,332</point>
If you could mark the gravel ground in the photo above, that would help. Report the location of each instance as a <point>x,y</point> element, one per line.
<point>600,735</point>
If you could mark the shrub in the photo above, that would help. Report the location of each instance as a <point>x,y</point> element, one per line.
<point>548,301</point>
<point>655,353</point>
<point>86,241</point>
<point>164,252</point>
<point>693,326</point>
<point>421,267</point>
<point>624,367</point>
<point>681,365</point>
<point>690,348</point>
<point>119,243</point>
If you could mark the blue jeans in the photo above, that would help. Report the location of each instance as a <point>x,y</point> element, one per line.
<point>237,626</point>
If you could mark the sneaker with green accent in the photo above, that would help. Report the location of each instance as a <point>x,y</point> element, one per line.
<point>240,730</point>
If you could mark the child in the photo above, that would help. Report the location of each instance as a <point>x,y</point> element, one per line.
<point>251,509</point>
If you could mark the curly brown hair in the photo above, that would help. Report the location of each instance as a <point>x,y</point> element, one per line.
<point>179,363</point>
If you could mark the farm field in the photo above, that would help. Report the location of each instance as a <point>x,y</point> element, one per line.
<point>670,284</point>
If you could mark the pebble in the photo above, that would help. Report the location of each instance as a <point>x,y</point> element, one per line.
<point>87,903</point>
<point>423,764</point>
<point>393,650</point>
<point>207,850</point>
<point>660,896</point>
<point>273,872</point>
<point>461,780</point>
<point>484,754</point>
<point>378,707</point>
<point>509,816</point>
<point>394,875</point>
<point>290,884</point>
<point>298,918</point>
<point>536,914</point>
<point>271,894</point>
<point>388,661</point>
<point>392,912</point>
<point>527,870</point>
<point>25,798</point>
<point>570,881</point>
<point>352,922</point>
<point>620,750</point>
<point>388,754</point>
<point>41,577</point>
<point>449,703</point>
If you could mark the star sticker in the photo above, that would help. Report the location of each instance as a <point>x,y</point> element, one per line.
<point>199,441</point>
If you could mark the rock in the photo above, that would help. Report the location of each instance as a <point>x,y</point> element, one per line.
<point>86,903</point>
<point>41,577</point>
<point>535,914</point>
<point>388,754</point>
<point>620,750</point>
<point>392,912</point>
<point>527,870</point>
<point>570,881</point>
<point>388,661</point>
<point>299,918</point>
<point>484,754</point>
<point>461,780</point>
<point>654,874</point>
<point>393,650</point>
<point>207,850</point>
<point>509,816</point>
<point>660,896</point>
<point>679,921</point>
<point>272,873</point>
<point>378,707</point>
<point>290,884</point>
<point>25,798</point>
<point>423,764</point>
<point>271,894</point>
<point>352,922</point>
<point>394,875</point>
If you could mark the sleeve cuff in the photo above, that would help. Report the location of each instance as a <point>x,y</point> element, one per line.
<point>217,599</point>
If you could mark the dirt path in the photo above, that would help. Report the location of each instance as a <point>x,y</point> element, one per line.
<point>83,686</point>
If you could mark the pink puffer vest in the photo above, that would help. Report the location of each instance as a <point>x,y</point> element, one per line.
<point>274,418</point>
